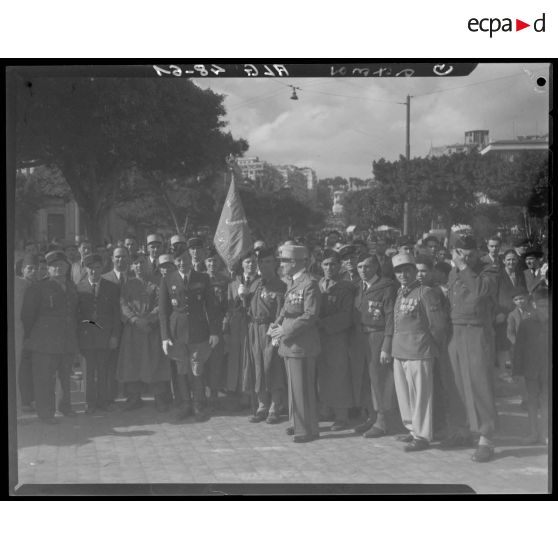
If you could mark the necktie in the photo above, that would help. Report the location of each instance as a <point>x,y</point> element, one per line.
<point>121,280</point>
<point>95,288</point>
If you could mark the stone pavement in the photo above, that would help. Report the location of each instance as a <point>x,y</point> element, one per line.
<point>145,447</point>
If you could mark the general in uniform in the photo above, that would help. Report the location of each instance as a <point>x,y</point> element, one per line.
<point>49,317</point>
<point>370,347</point>
<point>99,326</point>
<point>334,373</point>
<point>141,362</point>
<point>265,306</point>
<point>189,330</point>
<point>471,290</point>
<point>418,335</point>
<point>299,342</point>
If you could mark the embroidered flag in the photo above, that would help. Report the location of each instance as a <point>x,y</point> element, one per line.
<point>232,237</point>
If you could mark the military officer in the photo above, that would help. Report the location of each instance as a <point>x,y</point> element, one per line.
<point>154,247</point>
<point>265,306</point>
<point>348,256</point>
<point>215,365</point>
<point>370,346</point>
<point>472,289</point>
<point>99,327</point>
<point>166,264</point>
<point>178,244</point>
<point>418,336</point>
<point>189,330</point>
<point>334,374</point>
<point>197,253</point>
<point>49,316</point>
<point>299,342</point>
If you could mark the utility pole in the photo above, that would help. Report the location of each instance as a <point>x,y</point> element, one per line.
<point>408,157</point>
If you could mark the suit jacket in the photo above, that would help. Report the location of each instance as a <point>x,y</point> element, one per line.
<point>49,316</point>
<point>373,309</point>
<point>534,282</point>
<point>298,317</point>
<point>103,309</point>
<point>111,276</point>
<point>505,290</point>
<point>187,308</point>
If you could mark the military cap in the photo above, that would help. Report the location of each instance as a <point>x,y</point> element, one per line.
<point>30,259</point>
<point>466,243</point>
<point>535,251</point>
<point>405,241</point>
<point>519,291</point>
<point>195,242</point>
<point>399,260</point>
<point>154,238</point>
<point>263,253</point>
<point>444,267</point>
<point>55,256</point>
<point>522,242</point>
<point>331,255</point>
<point>346,250</point>
<point>165,259</point>
<point>178,238</point>
<point>375,261</point>
<point>259,244</point>
<point>293,252</point>
<point>92,259</point>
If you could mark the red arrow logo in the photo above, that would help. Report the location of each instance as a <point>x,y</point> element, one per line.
<point>519,25</point>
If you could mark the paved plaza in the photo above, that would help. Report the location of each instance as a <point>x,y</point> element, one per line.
<point>144,446</point>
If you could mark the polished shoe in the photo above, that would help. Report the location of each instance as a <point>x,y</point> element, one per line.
<point>360,428</point>
<point>182,412</point>
<point>407,438</point>
<point>483,454</point>
<point>305,439</point>
<point>289,431</point>
<point>272,419</point>
<point>416,445</point>
<point>51,420</point>
<point>133,404</point>
<point>258,417</point>
<point>339,425</point>
<point>374,432</point>
<point>458,441</point>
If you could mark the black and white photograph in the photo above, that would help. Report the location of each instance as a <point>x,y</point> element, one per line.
<point>280,277</point>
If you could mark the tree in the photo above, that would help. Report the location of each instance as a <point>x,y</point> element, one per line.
<point>369,208</point>
<point>100,132</point>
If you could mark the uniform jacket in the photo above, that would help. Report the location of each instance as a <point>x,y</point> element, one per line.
<point>188,309</point>
<point>49,316</point>
<point>220,284</point>
<point>78,272</point>
<point>336,306</point>
<point>267,301</point>
<point>298,317</point>
<point>419,323</point>
<point>471,293</point>
<point>373,309</point>
<point>103,309</point>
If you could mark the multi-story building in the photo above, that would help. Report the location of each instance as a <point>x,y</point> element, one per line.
<point>251,167</point>
<point>474,139</point>
<point>508,149</point>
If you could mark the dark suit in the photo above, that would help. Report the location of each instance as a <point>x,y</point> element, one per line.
<point>486,259</point>
<point>102,308</point>
<point>504,304</point>
<point>299,346</point>
<point>49,316</point>
<point>112,358</point>
<point>188,316</point>
<point>534,281</point>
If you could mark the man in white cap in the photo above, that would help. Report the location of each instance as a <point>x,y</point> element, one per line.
<point>418,334</point>
<point>178,244</point>
<point>154,245</point>
<point>297,334</point>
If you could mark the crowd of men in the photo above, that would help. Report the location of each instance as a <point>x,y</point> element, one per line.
<point>360,332</point>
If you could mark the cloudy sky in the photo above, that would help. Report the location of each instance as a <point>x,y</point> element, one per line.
<point>340,125</point>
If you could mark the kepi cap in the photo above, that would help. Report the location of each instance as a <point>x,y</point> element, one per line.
<point>293,252</point>
<point>400,260</point>
<point>92,259</point>
<point>55,256</point>
<point>195,242</point>
<point>178,238</point>
<point>165,259</point>
<point>154,238</point>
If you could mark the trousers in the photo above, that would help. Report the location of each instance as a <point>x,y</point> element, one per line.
<point>413,385</point>
<point>25,378</point>
<point>303,407</point>
<point>45,369</point>
<point>96,377</point>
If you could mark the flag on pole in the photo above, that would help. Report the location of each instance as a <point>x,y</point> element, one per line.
<point>232,237</point>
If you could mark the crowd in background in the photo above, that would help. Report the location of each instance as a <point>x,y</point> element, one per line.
<point>399,336</point>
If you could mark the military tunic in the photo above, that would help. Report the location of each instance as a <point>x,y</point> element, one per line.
<point>265,306</point>
<point>334,374</point>
<point>299,346</point>
<point>49,316</point>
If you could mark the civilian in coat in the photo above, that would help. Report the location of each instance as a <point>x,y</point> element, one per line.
<point>296,333</point>
<point>99,326</point>
<point>370,347</point>
<point>78,271</point>
<point>49,316</point>
<point>189,330</point>
<point>119,275</point>
<point>472,288</point>
<point>535,274</point>
<point>141,362</point>
<point>418,337</point>
<point>334,375</point>
<point>269,367</point>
